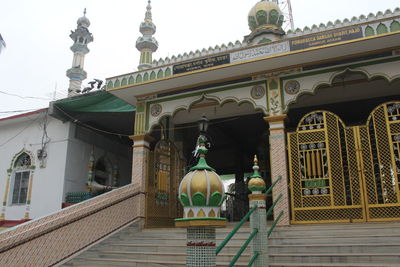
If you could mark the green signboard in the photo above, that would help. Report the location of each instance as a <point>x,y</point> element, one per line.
<point>326,38</point>
<point>202,63</point>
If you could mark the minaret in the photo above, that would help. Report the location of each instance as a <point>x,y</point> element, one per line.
<point>147,44</point>
<point>81,37</point>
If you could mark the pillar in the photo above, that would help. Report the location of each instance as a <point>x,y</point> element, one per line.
<point>279,164</point>
<point>141,149</point>
<point>258,219</point>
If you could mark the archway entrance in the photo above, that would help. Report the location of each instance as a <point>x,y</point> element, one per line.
<point>347,172</point>
<point>236,133</point>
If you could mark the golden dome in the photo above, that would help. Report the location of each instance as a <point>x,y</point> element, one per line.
<point>201,188</point>
<point>265,14</point>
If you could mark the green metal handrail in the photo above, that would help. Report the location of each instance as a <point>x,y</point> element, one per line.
<point>253,259</point>
<point>274,224</point>
<point>273,205</point>
<point>233,232</point>
<point>252,235</point>
<point>273,185</point>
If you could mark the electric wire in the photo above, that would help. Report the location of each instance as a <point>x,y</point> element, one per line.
<point>26,127</point>
<point>24,97</point>
<point>75,120</point>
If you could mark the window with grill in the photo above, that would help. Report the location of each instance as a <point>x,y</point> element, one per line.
<point>20,190</point>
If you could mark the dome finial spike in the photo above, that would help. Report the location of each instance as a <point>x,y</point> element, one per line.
<point>84,12</point>
<point>255,160</point>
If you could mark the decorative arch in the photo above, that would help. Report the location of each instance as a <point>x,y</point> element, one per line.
<point>139,78</point>
<point>146,77</point>
<point>218,100</point>
<point>313,90</point>
<point>117,84</point>
<point>18,155</point>
<point>124,82</point>
<point>168,72</point>
<point>160,74</point>
<point>395,26</point>
<point>369,31</point>
<point>110,85</point>
<point>131,80</point>
<point>381,28</point>
<point>21,174</point>
<point>152,75</point>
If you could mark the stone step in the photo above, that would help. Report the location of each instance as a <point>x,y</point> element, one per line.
<point>321,264</point>
<point>97,261</point>
<point>333,232</point>
<point>337,258</point>
<point>170,248</point>
<point>157,256</point>
<point>345,239</point>
<point>338,248</point>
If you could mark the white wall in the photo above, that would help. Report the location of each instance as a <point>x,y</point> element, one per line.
<point>47,187</point>
<point>66,168</point>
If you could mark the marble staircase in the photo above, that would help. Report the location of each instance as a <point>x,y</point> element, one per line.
<point>324,245</point>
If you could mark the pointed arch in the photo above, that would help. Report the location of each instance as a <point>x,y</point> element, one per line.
<point>146,77</point>
<point>152,75</point>
<point>110,85</point>
<point>395,26</point>
<point>131,80</point>
<point>160,74</point>
<point>124,82</point>
<point>369,31</point>
<point>117,84</point>
<point>381,28</point>
<point>139,78</point>
<point>168,72</point>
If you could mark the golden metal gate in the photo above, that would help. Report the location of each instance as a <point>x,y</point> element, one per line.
<point>346,174</point>
<point>165,171</point>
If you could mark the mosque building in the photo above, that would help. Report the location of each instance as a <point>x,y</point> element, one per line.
<point>319,106</point>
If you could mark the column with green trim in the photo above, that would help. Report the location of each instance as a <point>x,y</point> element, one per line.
<point>258,219</point>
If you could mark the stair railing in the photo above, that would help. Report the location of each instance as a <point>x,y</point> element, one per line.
<point>254,232</point>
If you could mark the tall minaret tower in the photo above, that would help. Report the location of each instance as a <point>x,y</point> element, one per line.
<point>147,44</point>
<point>81,37</point>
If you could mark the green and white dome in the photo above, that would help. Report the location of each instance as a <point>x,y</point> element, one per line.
<point>265,15</point>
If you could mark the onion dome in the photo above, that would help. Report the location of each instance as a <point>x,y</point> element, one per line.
<point>256,184</point>
<point>265,15</point>
<point>83,21</point>
<point>201,191</point>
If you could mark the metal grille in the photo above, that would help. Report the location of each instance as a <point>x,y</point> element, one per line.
<point>165,171</point>
<point>358,168</point>
<point>324,186</point>
<point>382,176</point>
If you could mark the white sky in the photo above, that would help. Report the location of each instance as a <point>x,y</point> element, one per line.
<point>37,36</point>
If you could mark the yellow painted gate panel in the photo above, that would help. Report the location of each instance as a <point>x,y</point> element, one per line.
<point>165,171</point>
<point>325,183</point>
<point>346,174</point>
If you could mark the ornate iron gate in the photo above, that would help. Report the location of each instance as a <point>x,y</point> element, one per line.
<point>165,171</point>
<point>346,174</point>
<point>380,144</point>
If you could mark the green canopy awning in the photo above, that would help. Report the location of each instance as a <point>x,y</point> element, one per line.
<point>100,101</point>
